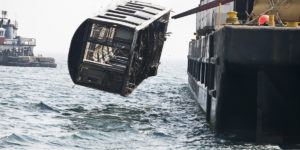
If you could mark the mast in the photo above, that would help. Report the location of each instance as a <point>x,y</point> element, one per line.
<point>4,13</point>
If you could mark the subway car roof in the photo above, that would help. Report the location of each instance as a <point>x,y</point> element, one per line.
<point>133,14</point>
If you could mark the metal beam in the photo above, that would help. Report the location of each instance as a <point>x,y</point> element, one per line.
<point>202,8</point>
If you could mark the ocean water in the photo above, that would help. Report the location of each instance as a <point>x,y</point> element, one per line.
<point>40,108</point>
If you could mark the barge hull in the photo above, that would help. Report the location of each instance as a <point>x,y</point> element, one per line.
<point>249,76</point>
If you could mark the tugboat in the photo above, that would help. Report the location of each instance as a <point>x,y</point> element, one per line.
<point>119,48</point>
<point>16,50</point>
<point>244,67</point>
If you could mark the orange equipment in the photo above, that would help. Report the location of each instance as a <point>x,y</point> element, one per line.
<point>263,20</point>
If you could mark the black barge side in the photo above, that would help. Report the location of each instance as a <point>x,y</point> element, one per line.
<point>246,79</point>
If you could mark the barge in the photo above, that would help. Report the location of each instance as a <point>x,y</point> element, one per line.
<point>16,50</point>
<point>119,48</point>
<point>244,73</point>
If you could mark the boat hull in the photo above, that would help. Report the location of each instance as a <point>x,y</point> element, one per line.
<point>27,61</point>
<point>246,79</point>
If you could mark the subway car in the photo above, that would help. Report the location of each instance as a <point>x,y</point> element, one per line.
<point>119,48</point>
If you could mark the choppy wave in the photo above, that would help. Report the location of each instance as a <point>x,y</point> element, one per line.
<point>40,108</point>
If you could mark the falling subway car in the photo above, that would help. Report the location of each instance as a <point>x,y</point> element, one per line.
<point>119,48</point>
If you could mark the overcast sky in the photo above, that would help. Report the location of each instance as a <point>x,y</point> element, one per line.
<point>53,22</point>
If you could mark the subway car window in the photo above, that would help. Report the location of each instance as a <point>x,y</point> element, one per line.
<point>106,43</point>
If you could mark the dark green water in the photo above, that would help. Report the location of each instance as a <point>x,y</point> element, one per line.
<point>40,108</point>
